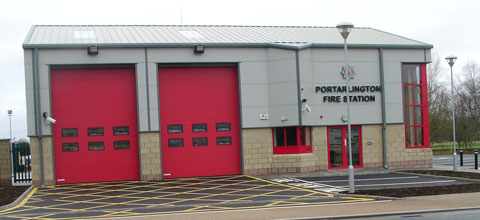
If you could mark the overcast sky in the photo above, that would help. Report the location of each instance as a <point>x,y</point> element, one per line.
<point>451,26</point>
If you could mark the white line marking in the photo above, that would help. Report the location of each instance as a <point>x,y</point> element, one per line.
<point>333,188</point>
<point>389,178</point>
<point>441,181</point>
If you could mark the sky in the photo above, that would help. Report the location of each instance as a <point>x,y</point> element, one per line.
<point>450,26</point>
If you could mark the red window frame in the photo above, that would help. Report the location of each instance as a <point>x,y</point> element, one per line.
<point>423,105</point>
<point>297,149</point>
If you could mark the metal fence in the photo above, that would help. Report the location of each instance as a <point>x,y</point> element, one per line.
<point>21,163</point>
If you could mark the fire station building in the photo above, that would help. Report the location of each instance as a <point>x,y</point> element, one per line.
<point>112,103</point>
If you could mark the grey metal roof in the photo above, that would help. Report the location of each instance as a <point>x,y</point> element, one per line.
<point>289,37</point>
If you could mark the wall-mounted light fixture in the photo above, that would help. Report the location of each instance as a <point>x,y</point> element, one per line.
<point>92,50</point>
<point>199,48</point>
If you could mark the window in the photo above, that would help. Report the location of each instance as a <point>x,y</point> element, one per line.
<point>292,140</point>
<point>120,130</point>
<point>224,140</point>
<point>68,147</point>
<point>175,142</point>
<point>95,131</point>
<point>203,141</point>
<point>175,128</point>
<point>69,132</point>
<point>223,127</point>
<point>415,105</point>
<point>96,146</point>
<point>199,127</point>
<point>119,145</point>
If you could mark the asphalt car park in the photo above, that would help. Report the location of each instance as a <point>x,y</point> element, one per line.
<point>133,198</point>
<point>369,181</point>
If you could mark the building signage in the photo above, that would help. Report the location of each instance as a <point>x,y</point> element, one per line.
<point>357,93</point>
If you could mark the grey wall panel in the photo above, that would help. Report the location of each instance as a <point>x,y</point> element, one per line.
<point>30,99</point>
<point>289,111</point>
<point>282,71</point>
<point>153,96</point>
<point>27,57</point>
<point>141,74</point>
<point>332,114</point>
<point>45,107</point>
<point>279,54</point>
<point>80,56</point>
<point>330,72</point>
<point>254,95</point>
<point>338,54</point>
<point>186,55</point>
<point>142,107</point>
<point>30,124</point>
<point>393,72</point>
<point>154,126</point>
<point>251,117</point>
<point>28,77</point>
<point>44,96</point>
<point>404,55</point>
<point>253,72</point>
<point>428,56</point>
<point>142,102</point>
<point>394,112</point>
<point>283,94</point>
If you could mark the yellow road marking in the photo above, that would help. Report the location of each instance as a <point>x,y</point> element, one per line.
<point>22,202</point>
<point>194,191</point>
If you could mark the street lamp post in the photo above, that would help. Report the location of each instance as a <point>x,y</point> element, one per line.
<point>344,28</point>
<point>451,60</point>
<point>10,119</point>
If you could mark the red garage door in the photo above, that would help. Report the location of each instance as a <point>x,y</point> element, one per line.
<point>95,137</point>
<point>199,121</point>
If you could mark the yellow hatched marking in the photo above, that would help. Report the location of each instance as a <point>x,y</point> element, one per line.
<point>294,187</point>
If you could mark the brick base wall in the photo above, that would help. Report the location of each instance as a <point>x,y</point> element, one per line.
<point>48,168</point>
<point>5,163</point>
<point>259,157</point>
<point>150,156</point>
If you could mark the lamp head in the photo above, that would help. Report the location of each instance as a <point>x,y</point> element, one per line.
<point>451,60</point>
<point>344,28</point>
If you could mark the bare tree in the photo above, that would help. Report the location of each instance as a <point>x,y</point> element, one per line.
<point>438,102</point>
<point>468,105</point>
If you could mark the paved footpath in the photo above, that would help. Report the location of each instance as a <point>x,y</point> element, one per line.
<point>374,208</point>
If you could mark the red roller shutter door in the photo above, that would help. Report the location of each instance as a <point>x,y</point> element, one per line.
<point>95,138</point>
<point>199,116</point>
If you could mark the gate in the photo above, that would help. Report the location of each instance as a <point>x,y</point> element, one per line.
<point>21,163</point>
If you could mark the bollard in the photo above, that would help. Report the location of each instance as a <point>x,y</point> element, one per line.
<point>476,159</point>
<point>461,157</point>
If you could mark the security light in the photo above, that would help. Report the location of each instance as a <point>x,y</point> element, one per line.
<point>92,50</point>
<point>199,48</point>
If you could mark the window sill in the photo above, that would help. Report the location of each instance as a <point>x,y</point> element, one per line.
<point>292,150</point>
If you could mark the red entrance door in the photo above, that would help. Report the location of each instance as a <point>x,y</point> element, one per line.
<point>338,147</point>
<point>199,116</point>
<point>95,137</point>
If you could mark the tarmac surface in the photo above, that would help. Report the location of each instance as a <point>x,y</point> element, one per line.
<point>184,195</point>
<point>294,196</point>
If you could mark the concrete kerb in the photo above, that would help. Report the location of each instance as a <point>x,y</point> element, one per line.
<point>19,200</point>
<point>393,213</point>
<point>443,177</point>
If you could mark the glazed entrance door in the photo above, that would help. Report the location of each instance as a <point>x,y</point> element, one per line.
<point>338,147</point>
